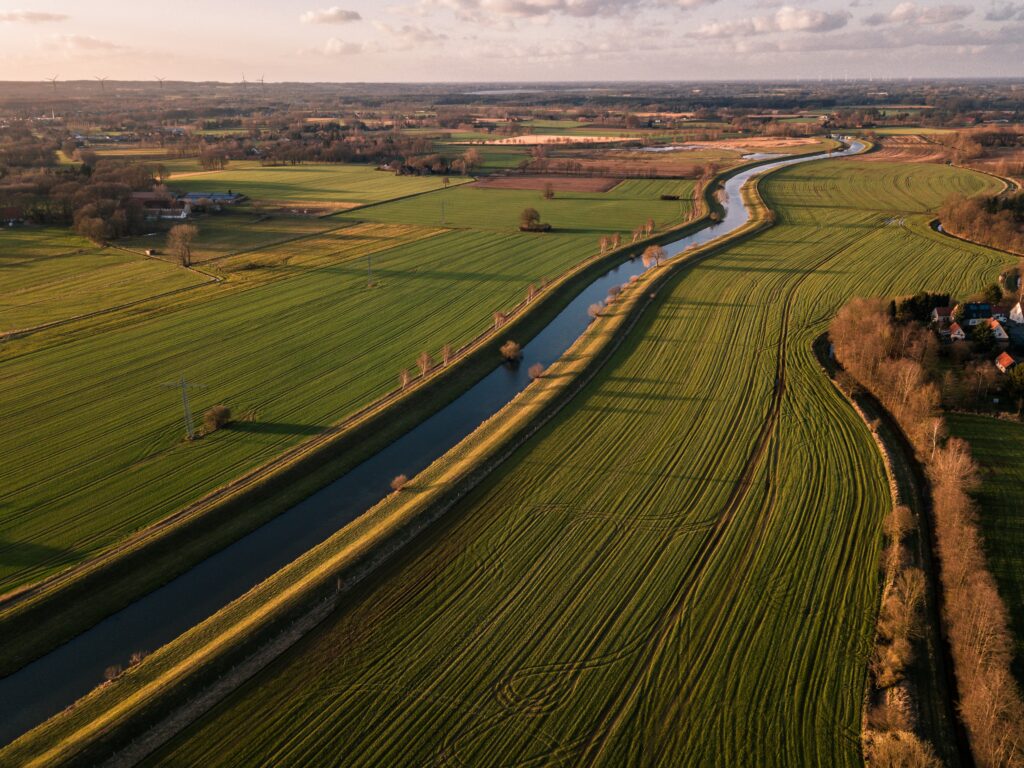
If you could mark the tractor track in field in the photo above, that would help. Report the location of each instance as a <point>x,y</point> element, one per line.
<point>616,713</point>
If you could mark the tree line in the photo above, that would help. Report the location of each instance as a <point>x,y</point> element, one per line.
<point>889,359</point>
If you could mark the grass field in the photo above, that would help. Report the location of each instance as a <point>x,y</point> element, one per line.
<point>681,566</point>
<point>236,230</point>
<point>622,209</point>
<point>294,341</point>
<point>48,275</point>
<point>309,183</point>
<point>998,447</point>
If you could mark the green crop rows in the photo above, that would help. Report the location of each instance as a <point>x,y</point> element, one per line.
<point>294,341</point>
<point>998,446</point>
<point>316,183</point>
<point>678,570</point>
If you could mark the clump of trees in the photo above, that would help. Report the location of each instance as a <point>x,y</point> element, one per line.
<point>217,417</point>
<point>529,221</point>
<point>891,361</point>
<point>997,221</point>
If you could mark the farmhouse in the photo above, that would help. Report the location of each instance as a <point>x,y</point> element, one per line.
<point>973,312</point>
<point>1017,314</point>
<point>1005,362</point>
<point>998,332</point>
<point>158,207</point>
<point>942,315</point>
<point>213,198</point>
<point>956,333</point>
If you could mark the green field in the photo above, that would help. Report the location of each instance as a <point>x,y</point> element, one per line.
<point>236,230</point>
<point>292,342</point>
<point>681,566</point>
<point>49,275</point>
<point>622,209</point>
<point>998,446</point>
<point>308,183</point>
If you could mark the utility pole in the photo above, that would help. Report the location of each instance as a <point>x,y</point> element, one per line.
<point>183,384</point>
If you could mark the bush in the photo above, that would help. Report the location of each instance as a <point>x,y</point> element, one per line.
<point>399,482</point>
<point>215,418</point>
<point>511,351</point>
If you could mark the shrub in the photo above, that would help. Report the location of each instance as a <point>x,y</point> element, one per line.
<point>511,351</point>
<point>399,482</point>
<point>215,418</point>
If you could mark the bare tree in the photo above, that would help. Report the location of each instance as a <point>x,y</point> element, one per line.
<point>425,363</point>
<point>404,377</point>
<point>511,351</point>
<point>399,482</point>
<point>653,255</point>
<point>446,354</point>
<point>179,242</point>
<point>536,370</point>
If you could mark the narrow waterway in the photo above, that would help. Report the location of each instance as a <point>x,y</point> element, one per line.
<point>46,686</point>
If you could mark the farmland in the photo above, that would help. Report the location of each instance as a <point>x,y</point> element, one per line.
<point>681,564</point>
<point>998,447</point>
<point>621,209</point>
<point>308,183</point>
<point>294,341</point>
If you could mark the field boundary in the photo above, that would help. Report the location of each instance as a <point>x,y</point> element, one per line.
<point>165,683</point>
<point>32,619</point>
<point>903,469</point>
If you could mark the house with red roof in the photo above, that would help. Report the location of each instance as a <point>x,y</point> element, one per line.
<point>956,333</point>
<point>1005,362</point>
<point>998,332</point>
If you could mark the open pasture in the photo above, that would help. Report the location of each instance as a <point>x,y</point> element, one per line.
<point>49,275</point>
<point>998,446</point>
<point>309,183</point>
<point>681,565</point>
<point>292,342</point>
<point>235,230</point>
<point>578,213</point>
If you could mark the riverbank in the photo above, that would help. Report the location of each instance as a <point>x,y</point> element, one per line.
<point>172,676</point>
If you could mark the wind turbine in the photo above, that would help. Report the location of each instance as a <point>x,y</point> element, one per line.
<point>161,81</point>
<point>263,87</point>
<point>103,82</point>
<point>245,83</point>
<point>53,81</point>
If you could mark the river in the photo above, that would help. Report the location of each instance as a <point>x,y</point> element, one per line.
<point>51,683</point>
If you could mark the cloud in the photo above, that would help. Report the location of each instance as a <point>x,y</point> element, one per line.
<point>32,17</point>
<point>409,35</point>
<point>1005,12</point>
<point>786,19</point>
<point>332,15</point>
<point>86,43</point>
<point>911,13</point>
<point>336,47</point>
<point>488,10</point>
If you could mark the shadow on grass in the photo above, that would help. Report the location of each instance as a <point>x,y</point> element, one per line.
<point>275,428</point>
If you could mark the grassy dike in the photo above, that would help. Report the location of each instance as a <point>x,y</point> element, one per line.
<point>39,617</point>
<point>168,686</point>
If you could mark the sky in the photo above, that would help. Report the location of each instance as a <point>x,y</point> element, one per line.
<point>510,40</point>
